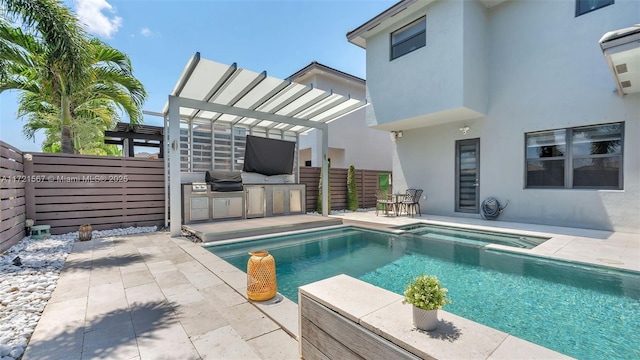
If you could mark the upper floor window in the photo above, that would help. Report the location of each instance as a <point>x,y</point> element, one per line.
<point>581,157</point>
<point>410,37</point>
<point>586,6</point>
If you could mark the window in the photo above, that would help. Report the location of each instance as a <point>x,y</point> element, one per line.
<point>409,38</point>
<point>581,157</point>
<point>587,6</point>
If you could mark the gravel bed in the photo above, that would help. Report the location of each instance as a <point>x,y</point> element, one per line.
<point>29,271</point>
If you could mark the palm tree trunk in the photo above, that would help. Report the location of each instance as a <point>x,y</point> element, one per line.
<point>66,142</point>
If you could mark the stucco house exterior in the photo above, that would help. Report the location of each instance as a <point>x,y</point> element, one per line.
<point>532,102</point>
<point>351,141</point>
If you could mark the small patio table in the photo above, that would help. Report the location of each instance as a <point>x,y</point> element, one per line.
<point>397,199</point>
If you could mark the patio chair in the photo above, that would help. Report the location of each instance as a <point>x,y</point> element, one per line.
<point>411,202</point>
<point>383,199</point>
<point>405,200</point>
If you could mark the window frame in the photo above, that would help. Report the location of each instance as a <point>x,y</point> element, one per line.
<point>568,159</point>
<point>406,27</point>
<point>578,13</point>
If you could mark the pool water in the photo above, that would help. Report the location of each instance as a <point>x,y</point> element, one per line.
<point>582,311</point>
<point>474,237</point>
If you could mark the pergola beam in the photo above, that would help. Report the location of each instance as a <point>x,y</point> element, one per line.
<point>137,136</point>
<point>260,115</point>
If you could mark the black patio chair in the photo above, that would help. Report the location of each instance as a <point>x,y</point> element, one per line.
<point>405,200</point>
<point>411,202</point>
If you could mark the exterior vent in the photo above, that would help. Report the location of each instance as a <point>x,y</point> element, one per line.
<point>621,69</point>
<point>625,84</point>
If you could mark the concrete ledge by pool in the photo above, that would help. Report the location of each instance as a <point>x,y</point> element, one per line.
<point>381,313</point>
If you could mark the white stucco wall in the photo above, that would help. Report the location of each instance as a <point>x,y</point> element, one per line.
<point>445,79</point>
<point>350,140</point>
<point>544,71</point>
<point>475,57</point>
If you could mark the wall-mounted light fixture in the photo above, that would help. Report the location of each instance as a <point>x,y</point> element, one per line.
<point>464,130</point>
<point>396,135</point>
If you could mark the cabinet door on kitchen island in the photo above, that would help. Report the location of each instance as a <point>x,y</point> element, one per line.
<point>256,204</point>
<point>227,207</point>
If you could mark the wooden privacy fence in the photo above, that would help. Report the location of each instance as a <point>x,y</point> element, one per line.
<point>67,190</point>
<point>12,196</point>
<point>366,184</point>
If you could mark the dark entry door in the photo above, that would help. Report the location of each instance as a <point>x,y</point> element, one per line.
<point>467,175</point>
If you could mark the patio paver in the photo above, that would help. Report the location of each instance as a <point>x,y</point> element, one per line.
<point>144,297</point>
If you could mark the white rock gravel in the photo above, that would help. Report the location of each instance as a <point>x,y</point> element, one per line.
<point>25,289</point>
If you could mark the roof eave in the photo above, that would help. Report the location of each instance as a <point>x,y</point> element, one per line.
<point>324,68</point>
<point>355,36</point>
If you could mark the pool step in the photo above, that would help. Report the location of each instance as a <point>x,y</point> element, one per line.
<point>224,230</point>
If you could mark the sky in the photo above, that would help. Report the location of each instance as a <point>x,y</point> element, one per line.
<point>160,36</point>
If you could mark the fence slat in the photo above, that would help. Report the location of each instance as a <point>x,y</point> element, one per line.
<point>12,206</point>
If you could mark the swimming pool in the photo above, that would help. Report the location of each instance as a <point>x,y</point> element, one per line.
<point>582,311</point>
<point>475,237</point>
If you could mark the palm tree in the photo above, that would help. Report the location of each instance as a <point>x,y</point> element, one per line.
<point>61,56</point>
<point>81,91</point>
<point>91,118</point>
<point>111,85</point>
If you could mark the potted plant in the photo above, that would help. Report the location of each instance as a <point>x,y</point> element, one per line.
<point>427,296</point>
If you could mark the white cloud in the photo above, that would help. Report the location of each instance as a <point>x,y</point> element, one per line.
<point>145,31</point>
<point>90,13</point>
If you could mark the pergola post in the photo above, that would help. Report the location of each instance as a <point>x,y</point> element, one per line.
<point>164,148</point>
<point>325,171</point>
<point>174,166</point>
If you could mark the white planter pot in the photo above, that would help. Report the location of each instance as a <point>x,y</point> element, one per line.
<point>425,319</point>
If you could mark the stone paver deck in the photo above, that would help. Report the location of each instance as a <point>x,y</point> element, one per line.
<point>145,297</point>
<point>152,297</point>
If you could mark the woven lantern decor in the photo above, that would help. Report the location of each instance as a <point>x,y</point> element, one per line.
<point>261,276</point>
<point>84,233</point>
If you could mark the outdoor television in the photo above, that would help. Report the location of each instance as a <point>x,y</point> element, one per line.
<point>269,156</point>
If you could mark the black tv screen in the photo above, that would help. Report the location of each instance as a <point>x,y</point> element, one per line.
<point>269,156</point>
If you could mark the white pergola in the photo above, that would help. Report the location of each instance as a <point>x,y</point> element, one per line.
<point>208,91</point>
